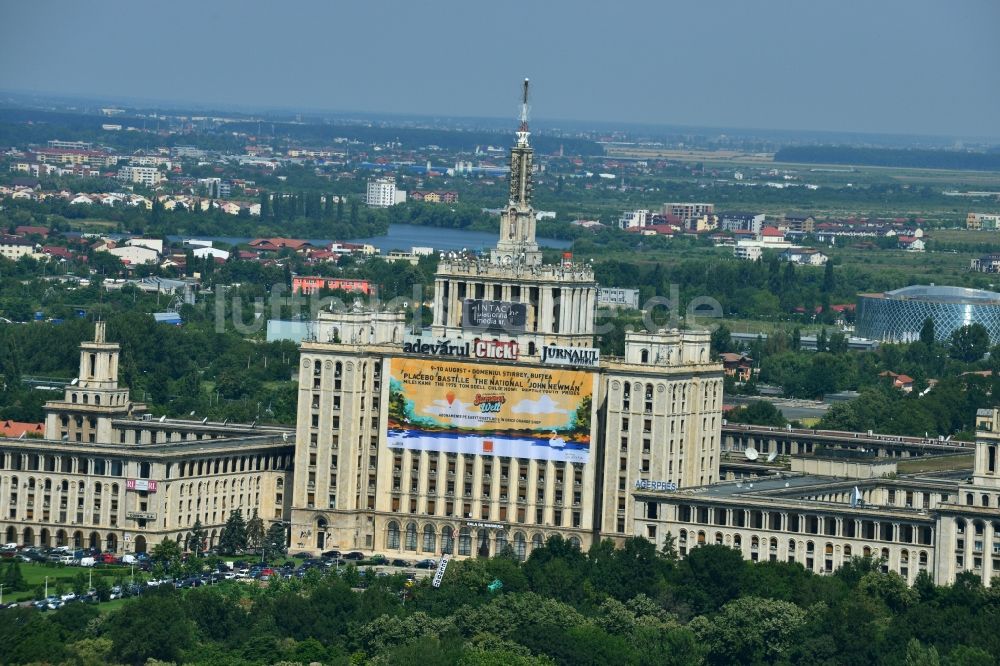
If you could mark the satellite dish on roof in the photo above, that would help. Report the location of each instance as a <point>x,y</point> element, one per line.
<point>75,381</point>
<point>163,418</point>
<point>192,413</point>
<point>204,420</point>
<point>751,453</point>
<point>772,456</point>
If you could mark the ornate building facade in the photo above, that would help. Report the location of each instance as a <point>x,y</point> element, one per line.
<point>109,476</point>
<point>501,423</point>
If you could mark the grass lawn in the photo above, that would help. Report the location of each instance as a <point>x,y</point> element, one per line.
<point>35,575</point>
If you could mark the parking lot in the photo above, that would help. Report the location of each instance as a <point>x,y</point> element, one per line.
<point>60,575</point>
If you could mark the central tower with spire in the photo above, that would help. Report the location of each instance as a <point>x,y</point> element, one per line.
<point>557,300</point>
<point>517,222</point>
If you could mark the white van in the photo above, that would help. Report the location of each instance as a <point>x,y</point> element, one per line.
<point>87,561</point>
<point>66,559</point>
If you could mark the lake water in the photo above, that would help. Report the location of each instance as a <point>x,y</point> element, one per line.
<point>405,236</point>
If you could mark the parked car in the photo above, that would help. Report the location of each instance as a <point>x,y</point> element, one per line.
<point>332,554</point>
<point>354,555</point>
<point>426,564</point>
<point>399,563</point>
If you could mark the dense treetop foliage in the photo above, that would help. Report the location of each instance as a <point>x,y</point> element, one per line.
<point>631,605</point>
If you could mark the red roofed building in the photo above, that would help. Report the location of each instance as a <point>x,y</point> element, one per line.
<point>312,285</point>
<point>739,366</point>
<point>31,231</point>
<point>768,234</point>
<point>278,244</point>
<point>902,382</point>
<point>59,252</point>
<point>15,429</point>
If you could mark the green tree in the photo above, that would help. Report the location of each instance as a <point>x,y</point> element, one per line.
<point>275,541</point>
<point>167,551</point>
<point>234,535</point>
<point>196,539</point>
<point>829,281</point>
<point>927,335</point>
<point>751,630</point>
<point>758,412</point>
<point>722,339</point>
<point>13,579</point>
<point>837,343</point>
<point>969,343</point>
<point>154,628</point>
<point>255,532</point>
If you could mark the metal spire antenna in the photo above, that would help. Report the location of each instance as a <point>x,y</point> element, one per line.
<point>522,132</point>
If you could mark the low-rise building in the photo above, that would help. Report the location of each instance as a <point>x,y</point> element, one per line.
<point>989,263</point>
<point>738,366</point>
<point>805,256</point>
<point>13,247</point>
<point>634,219</point>
<point>312,285</point>
<point>752,222</point>
<point>147,176</point>
<point>983,221</point>
<point>688,211</point>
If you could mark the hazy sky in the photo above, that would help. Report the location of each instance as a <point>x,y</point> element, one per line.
<point>908,66</point>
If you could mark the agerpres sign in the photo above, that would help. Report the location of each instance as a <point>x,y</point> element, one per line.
<point>643,484</point>
<point>140,515</point>
<point>494,315</point>
<point>141,485</point>
<point>587,357</point>
<point>479,348</point>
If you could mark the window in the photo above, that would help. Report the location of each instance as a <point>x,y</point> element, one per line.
<point>411,536</point>
<point>392,540</point>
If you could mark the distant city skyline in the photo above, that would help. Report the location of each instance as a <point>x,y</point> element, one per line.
<point>916,67</point>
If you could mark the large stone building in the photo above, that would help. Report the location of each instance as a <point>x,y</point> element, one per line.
<point>109,476</point>
<point>824,511</point>
<point>501,423</point>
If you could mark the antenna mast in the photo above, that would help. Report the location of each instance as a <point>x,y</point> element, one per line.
<point>522,131</point>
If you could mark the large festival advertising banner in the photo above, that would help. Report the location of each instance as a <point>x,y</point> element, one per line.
<point>489,409</point>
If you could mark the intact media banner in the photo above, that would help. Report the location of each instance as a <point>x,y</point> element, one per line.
<point>501,410</point>
<point>494,315</point>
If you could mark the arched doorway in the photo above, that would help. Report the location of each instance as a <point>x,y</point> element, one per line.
<point>140,544</point>
<point>43,538</point>
<point>29,536</point>
<point>111,544</point>
<point>483,539</point>
<point>78,539</point>
<point>61,538</point>
<point>321,533</point>
<point>11,535</point>
<point>94,541</point>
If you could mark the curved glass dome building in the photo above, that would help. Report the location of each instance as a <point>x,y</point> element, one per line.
<point>897,316</point>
